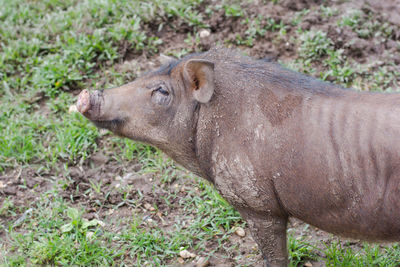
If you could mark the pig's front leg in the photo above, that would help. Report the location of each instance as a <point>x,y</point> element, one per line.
<point>270,234</point>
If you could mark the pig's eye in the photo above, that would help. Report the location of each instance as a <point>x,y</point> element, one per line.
<point>162,91</point>
<point>160,96</point>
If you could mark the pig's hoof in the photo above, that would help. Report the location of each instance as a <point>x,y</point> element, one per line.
<point>83,104</point>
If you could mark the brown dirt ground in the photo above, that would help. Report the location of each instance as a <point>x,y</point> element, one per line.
<point>24,186</point>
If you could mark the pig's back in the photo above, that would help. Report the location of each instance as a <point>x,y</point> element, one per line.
<point>349,177</point>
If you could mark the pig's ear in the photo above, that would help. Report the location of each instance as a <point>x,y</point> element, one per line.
<point>198,75</point>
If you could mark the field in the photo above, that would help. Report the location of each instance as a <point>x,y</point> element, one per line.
<point>72,195</point>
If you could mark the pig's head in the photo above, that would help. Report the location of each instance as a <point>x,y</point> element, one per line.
<point>160,108</point>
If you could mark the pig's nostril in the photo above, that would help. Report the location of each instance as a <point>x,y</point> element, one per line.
<point>83,104</point>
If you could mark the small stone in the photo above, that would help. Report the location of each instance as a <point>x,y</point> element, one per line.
<point>103,131</point>
<point>181,261</point>
<point>185,254</point>
<point>149,221</point>
<point>72,109</point>
<point>2,185</point>
<point>110,211</point>
<point>148,206</point>
<point>204,33</point>
<point>89,235</point>
<point>308,264</point>
<point>202,262</point>
<point>240,232</point>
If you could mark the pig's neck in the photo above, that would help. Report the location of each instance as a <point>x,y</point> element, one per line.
<point>182,148</point>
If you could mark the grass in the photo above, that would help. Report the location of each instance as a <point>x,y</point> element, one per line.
<point>57,234</point>
<point>315,48</point>
<point>51,49</point>
<point>59,52</point>
<point>369,255</point>
<point>215,218</point>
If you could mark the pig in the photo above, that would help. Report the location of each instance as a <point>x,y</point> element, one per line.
<point>275,143</point>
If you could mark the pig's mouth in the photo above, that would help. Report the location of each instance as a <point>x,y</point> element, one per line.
<point>92,106</point>
<point>108,124</point>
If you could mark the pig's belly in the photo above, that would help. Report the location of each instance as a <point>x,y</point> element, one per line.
<point>347,210</point>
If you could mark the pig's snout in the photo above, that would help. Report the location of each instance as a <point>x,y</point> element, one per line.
<point>91,104</point>
<point>83,104</point>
